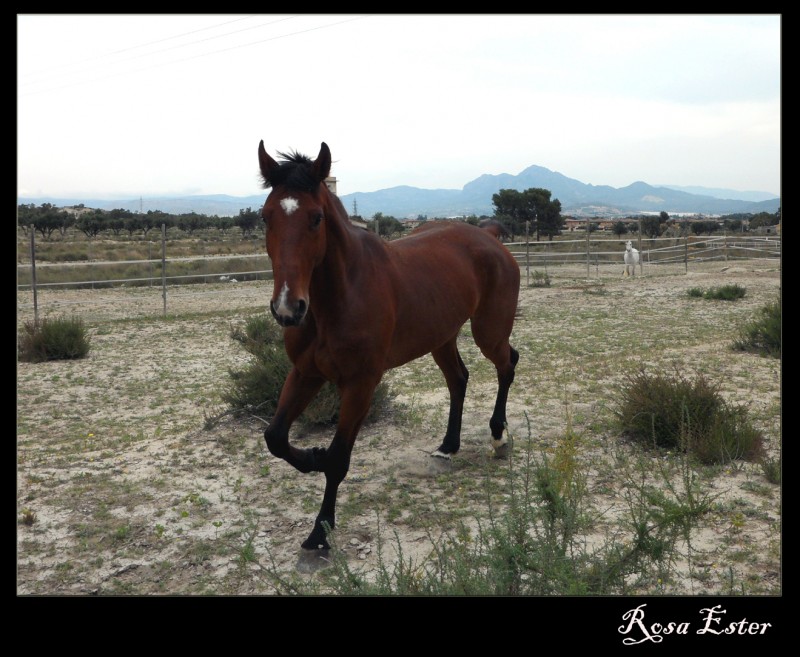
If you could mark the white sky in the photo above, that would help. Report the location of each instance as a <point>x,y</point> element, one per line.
<point>122,106</point>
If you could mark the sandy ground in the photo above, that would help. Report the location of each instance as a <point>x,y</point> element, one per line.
<point>130,492</point>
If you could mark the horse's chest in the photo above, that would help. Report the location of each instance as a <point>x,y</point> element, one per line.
<point>333,359</point>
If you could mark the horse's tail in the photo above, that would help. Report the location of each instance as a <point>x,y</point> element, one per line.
<point>495,228</point>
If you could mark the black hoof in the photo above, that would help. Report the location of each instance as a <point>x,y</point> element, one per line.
<point>312,543</point>
<point>318,539</point>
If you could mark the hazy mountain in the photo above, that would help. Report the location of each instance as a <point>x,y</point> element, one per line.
<point>718,192</point>
<point>475,197</point>
<point>576,198</point>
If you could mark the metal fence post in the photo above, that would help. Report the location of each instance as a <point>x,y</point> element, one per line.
<point>164,266</point>
<point>588,261</point>
<point>33,278</point>
<point>527,254</point>
<point>686,253</point>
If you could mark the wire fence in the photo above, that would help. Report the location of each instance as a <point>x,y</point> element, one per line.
<point>189,284</point>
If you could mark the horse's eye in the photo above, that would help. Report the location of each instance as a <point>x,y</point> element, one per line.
<point>316,220</point>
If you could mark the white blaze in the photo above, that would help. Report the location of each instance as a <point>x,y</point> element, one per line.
<point>282,307</point>
<point>289,204</point>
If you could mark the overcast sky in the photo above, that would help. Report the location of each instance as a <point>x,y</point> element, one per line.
<point>122,106</point>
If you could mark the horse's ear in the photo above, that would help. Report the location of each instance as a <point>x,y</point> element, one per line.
<point>322,165</point>
<point>266,163</point>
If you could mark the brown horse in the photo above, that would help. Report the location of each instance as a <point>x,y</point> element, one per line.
<point>353,306</point>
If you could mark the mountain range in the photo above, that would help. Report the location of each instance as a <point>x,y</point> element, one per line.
<point>475,198</point>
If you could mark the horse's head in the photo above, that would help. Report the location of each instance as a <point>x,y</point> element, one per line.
<point>294,214</point>
<point>628,245</point>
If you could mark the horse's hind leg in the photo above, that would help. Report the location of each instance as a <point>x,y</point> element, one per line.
<point>495,346</point>
<point>497,424</point>
<point>455,373</point>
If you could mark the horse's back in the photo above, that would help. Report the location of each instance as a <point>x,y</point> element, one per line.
<point>448,251</point>
<point>445,274</point>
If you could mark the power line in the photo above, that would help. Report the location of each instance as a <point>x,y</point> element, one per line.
<point>117,74</point>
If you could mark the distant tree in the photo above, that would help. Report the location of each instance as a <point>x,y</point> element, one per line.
<point>515,209</point>
<point>47,219</point>
<point>68,220</point>
<point>154,219</point>
<point>619,228</point>
<point>550,222</point>
<point>651,226</point>
<point>764,219</point>
<point>224,224</point>
<point>386,226</point>
<point>91,223</point>
<point>132,224</point>
<point>663,217</point>
<point>190,222</point>
<point>733,225</point>
<point>247,221</point>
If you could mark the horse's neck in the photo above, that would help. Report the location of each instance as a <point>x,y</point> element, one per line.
<point>341,251</point>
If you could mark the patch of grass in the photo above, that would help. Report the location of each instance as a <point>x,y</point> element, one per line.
<point>539,279</point>
<point>762,334</point>
<point>772,468</point>
<point>675,412</point>
<point>59,338</point>
<point>722,293</point>
<point>536,544</point>
<point>28,517</point>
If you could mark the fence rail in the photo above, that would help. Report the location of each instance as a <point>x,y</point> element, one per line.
<point>177,272</point>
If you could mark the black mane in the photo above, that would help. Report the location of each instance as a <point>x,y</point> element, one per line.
<point>295,171</point>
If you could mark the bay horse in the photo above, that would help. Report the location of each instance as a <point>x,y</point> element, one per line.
<point>353,306</point>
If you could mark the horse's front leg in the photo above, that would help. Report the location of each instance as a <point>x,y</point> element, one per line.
<point>297,393</point>
<point>335,461</point>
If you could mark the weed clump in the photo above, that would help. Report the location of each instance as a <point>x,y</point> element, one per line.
<point>762,335</point>
<point>53,339</point>
<point>690,415</point>
<point>722,293</point>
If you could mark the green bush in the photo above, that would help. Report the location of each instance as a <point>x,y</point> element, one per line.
<point>763,334</point>
<point>540,279</point>
<point>674,412</point>
<point>53,339</point>
<point>722,293</point>
<point>256,388</point>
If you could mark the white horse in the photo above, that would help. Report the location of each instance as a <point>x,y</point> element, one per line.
<point>631,259</point>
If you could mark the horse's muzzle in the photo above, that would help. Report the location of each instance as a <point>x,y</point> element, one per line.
<point>289,316</point>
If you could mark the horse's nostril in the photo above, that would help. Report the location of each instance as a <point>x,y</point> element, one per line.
<point>301,307</point>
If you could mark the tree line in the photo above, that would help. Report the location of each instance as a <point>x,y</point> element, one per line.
<point>531,212</point>
<point>47,219</point>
